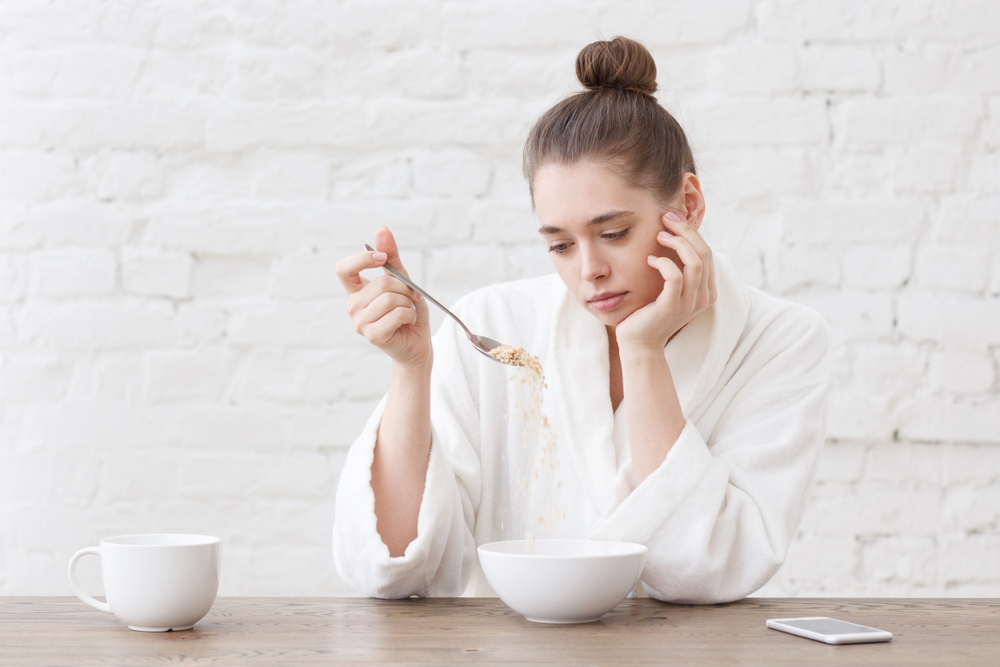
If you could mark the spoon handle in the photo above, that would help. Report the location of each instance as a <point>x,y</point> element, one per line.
<point>398,274</point>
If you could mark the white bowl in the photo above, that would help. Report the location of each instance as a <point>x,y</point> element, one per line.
<point>562,581</point>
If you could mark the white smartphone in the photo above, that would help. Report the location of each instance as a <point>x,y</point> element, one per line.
<point>829,630</point>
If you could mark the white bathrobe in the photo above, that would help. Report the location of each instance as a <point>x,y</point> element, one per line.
<point>717,516</point>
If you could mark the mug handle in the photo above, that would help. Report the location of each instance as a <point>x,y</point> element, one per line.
<point>77,588</point>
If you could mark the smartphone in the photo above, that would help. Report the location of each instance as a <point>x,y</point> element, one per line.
<point>829,630</point>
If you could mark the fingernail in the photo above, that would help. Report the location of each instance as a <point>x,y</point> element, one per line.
<point>419,296</point>
<point>651,258</point>
<point>379,256</point>
<point>673,216</point>
<point>664,234</point>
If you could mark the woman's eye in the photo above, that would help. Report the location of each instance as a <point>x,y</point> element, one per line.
<point>616,236</point>
<point>559,248</point>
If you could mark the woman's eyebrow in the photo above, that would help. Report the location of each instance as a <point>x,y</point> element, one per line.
<point>604,217</point>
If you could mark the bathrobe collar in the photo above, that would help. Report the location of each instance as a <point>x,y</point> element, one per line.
<point>578,382</point>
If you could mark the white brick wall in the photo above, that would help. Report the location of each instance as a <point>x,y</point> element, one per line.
<point>177,181</point>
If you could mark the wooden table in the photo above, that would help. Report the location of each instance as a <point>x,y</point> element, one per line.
<point>483,631</point>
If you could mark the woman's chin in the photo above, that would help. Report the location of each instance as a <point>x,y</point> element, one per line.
<point>610,318</point>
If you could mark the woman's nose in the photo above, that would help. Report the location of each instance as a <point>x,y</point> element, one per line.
<point>594,266</point>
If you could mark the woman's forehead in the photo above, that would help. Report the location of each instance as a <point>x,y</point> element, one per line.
<point>585,193</point>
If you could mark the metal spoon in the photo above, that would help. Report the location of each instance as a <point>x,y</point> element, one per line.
<point>481,343</point>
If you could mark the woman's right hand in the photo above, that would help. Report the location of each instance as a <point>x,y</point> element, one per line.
<point>392,316</point>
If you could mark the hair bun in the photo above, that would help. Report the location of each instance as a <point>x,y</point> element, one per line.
<point>619,63</point>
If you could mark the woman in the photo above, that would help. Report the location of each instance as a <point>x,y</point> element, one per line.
<point>688,409</point>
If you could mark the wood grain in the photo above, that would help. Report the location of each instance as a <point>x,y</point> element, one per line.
<point>483,631</point>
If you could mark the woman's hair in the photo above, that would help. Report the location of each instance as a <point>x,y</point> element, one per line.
<point>616,120</point>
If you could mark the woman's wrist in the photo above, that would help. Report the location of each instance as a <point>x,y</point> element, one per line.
<point>413,370</point>
<point>637,354</point>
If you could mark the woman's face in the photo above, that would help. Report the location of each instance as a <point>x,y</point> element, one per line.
<point>599,231</point>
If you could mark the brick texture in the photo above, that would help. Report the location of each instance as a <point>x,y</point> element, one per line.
<point>178,180</point>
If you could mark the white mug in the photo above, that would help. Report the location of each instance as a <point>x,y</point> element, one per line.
<point>155,582</point>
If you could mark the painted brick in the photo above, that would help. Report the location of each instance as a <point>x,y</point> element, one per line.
<point>887,369</point>
<point>984,174</point>
<point>740,69</point>
<point>909,560</point>
<point>778,121</point>
<point>858,221</point>
<point>961,372</point>
<point>971,464</point>
<point>229,275</point>
<point>856,416</point>
<point>972,509</point>
<point>459,270</point>
<point>961,319</point>
<point>991,126</point>
<point>73,272</point>
<point>489,71</point>
<point>450,172</point>
<point>852,314</point>
<point>874,508</point>
<point>826,67</point>
<point>187,376</point>
<point>962,268</point>
<point>378,177</point>
<point>872,123</point>
<point>302,323</point>
<point>937,419</point>
<point>144,475</point>
<point>33,377</point>
<point>841,462</point>
<point>504,222</point>
<point>971,558</point>
<point>152,272</point>
<point>816,560</point>
<point>877,267</point>
<point>127,176</point>
<point>967,221</point>
<point>66,223</point>
<point>852,175</point>
<point>792,268</point>
<point>928,169</point>
<point>94,325</point>
<point>305,275</point>
<point>740,176</point>
<point>527,261</point>
<point>905,465</point>
<point>13,277</point>
<point>39,175</point>
<point>675,22</point>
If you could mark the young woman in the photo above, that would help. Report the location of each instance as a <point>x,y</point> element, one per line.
<point>688,409</point>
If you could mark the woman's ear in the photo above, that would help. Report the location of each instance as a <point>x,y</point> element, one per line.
<point>692,200</point>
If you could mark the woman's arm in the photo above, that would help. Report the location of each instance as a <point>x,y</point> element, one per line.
<point>718,515</point>
<point>402,451</point>
<point>654,415</point>
<point>393,317</point>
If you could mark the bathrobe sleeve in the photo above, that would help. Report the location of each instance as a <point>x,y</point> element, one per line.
<point>439,561</point>
<point>720,512</point>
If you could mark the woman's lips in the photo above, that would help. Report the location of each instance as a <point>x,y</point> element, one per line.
<point>607,301</point>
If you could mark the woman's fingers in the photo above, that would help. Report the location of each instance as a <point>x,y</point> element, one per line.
<point>690,260</point>
<point>364,297</point>
<point>382,305</point>
<point>349,269</point>
<point>380,330</point>
<point>703,291</point>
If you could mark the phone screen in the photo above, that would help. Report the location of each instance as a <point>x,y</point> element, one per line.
<point>830,626</point>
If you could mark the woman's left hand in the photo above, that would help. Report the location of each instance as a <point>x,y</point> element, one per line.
<point>685,293</point>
